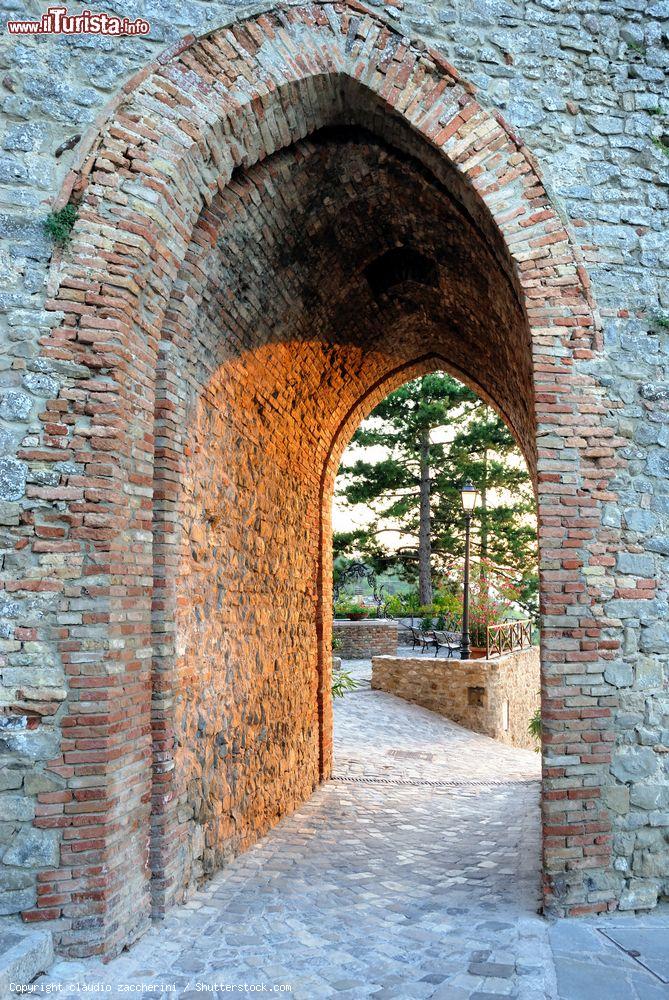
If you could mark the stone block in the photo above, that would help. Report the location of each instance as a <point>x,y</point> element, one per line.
<point>649,672</point>
<point>640,894</point>
<point>10,779</point>
<point>16,807</point>
<point>619,674</point>
<point>25,952</point>
<point>631,764</point>
<point>15,405</point>
<point>12,479</point>
<point>649,796</point>
<point>33,848</point>
<point>636,564</point>
<point>15,900</point>
<point>617,798</point>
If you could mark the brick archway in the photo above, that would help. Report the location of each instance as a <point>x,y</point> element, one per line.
<point>174,240</point>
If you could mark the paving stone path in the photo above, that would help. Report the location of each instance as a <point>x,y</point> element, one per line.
<point>405,877</point>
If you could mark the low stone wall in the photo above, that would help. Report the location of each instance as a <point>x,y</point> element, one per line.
<point>369,637</point>
<point>495,697</point>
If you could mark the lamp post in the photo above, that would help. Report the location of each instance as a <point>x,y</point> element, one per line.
<point>469,496</point>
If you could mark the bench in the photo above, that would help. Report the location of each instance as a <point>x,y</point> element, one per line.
<point>445,640</point>
<point>421,639</point>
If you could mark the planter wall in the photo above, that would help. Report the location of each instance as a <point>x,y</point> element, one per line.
<point>364,639</point>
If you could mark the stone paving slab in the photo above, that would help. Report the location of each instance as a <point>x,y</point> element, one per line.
<point>615,956</point>
<point>385,891</point>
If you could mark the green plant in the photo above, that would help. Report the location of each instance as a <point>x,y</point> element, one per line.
<point>661,145</point>
<point>447,604</point>
<point>661,319</point>
<point>336,643</point>
<point>654,111</point>
<point>402,605</point>
<point>426,624</point>
<point>59,225</point>
<point>346,606</point>
<point>637,47</point>
<point>342,681</point>
<point>493,599</point>
<point>534,728</point>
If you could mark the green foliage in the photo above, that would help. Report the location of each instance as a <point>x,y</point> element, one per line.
<point>402,605</point>
<point>661,319</point>
<point>637,47</point>
<point>426,624</point>
<point>534,728</point>
<point>447,604</point>
<point>336,644</point>
<point>342,681</point>
<point>492,600</point>
<point>347,606</point>
<point>59,225</point>
<point>661,145</point>
<point>473,443</point>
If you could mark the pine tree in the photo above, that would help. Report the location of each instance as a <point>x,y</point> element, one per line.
<point>504,526</point>
<point>398,488</point>
<point>415,488</point>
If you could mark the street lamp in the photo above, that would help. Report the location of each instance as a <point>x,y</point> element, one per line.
<point>469,495</point>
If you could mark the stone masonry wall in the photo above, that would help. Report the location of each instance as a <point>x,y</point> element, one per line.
<point>360,640</point>
<point>496,697</point>
<point>80,467</point>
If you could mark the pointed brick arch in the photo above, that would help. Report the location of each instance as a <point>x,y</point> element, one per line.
<point>183,133</point>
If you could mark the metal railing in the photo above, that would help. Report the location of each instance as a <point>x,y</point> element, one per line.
<point>508,637</point>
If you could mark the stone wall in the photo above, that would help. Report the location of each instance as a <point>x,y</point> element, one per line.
<point>370,637</point>
<point>310,179</point>
<point>496,697</point>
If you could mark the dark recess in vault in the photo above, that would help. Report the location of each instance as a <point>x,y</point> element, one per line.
<point>399,265</point>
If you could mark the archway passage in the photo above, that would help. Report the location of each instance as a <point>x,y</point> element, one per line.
<point>317,274</point>
<point>278,225</point>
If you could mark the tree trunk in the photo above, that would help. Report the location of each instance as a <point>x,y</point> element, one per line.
<point>483,492</point>
<point>425,525</point>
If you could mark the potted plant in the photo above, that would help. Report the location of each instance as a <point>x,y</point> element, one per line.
<point>347,608</point>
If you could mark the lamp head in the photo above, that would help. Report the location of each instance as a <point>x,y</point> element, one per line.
<point>469,495</point>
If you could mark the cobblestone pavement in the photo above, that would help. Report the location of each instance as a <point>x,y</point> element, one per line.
<point>396,880</point>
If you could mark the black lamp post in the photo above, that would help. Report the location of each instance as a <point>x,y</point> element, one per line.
<point>469,496</point>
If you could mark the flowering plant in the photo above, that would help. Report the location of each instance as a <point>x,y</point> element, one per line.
<point>492,599</point>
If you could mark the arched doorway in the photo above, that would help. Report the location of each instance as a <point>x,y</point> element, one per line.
<point>277,225</point>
